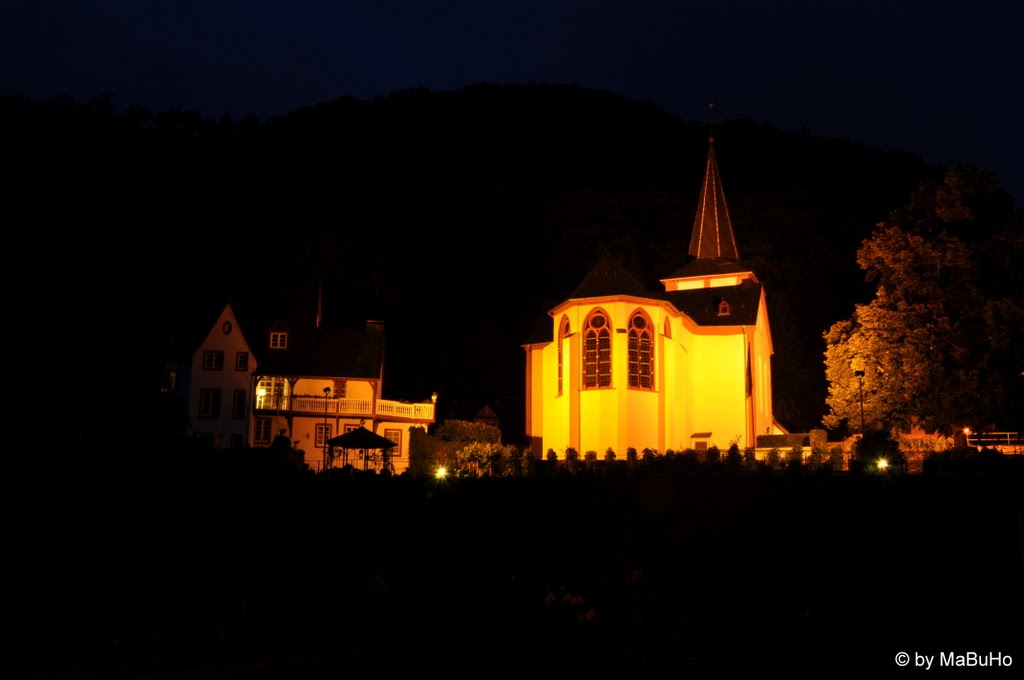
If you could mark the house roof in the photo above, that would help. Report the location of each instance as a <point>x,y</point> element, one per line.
<point>323,352</point>
<point>312,351</point>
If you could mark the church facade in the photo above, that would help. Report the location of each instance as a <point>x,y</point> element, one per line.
<point>687,367</point>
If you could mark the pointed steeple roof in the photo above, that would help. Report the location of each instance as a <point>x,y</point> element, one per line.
<point>712,228</point>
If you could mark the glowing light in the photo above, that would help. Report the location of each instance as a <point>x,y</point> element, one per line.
<point>967,430</point>
<point>882,463</point>
<point>441,472</point>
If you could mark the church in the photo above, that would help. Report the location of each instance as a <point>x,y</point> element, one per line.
<point>687,367</point>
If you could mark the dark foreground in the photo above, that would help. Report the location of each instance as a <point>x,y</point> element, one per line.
<point>263,576</point>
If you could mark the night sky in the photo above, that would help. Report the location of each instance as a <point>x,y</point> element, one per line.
<point>941,78</point>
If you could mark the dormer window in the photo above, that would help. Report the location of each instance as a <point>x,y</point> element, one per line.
<point>278,340</point>
<point>723,308</point>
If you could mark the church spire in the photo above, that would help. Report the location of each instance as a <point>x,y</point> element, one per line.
<point>712,228</point>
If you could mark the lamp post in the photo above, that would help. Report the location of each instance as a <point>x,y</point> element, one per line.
<point>860,388</point>
<point>327,403</point>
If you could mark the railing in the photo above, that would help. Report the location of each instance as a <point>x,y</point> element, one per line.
<point>1006,442</point>
<point>345,407</point>
<point>361,407</point>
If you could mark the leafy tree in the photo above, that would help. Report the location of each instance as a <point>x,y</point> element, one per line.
<point>942,342</point>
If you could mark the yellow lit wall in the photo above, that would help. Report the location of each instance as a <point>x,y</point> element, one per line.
<point>699,384</point>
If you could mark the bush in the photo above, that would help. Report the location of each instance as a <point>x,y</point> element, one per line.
<point>733,458</point>
<point>795,458</point>
<point>875,446</point>
<point>649,455</point>
<point>749,458</point>
<point>835,459</point>
<point>712,456</point>
<point>467,431</point>
<point>964,460</point>
<point>774,458</point>
<point>609,455</point>
<point>689,459</point>
<point>631,455</point>
<point>816,461</point>
<point>590,456</point>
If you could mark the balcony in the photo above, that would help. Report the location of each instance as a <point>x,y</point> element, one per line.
<point>360,408</point>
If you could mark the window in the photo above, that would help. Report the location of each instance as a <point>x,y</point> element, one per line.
<point>723,308</point>
<point>278,340</point>
<point>349,428</point>
<point>640,352</point>
<point>238,405</point>
<point>396,437</point>
<point>323,433</point>
<point>209,403</point>
<point>261,431</point>
<point>272,393</point>
<point>597,352</point>
<point>241,361</point>
<point>563,333</point>
<point>213,360</point>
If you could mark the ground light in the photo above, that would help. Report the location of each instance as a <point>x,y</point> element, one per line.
<point>883,464</point>
<point>441,472</point>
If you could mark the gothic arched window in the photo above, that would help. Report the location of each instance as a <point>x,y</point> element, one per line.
<point>641,352</point>
<point>597,351</point>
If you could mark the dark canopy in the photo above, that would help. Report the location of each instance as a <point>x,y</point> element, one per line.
<point>360,439</point>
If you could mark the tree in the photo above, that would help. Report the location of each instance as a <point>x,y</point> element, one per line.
<point>940,345</point>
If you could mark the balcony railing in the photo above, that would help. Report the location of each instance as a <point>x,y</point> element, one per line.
<point>345,407</point>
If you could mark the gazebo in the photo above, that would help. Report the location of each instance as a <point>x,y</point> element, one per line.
<point>364,440</point>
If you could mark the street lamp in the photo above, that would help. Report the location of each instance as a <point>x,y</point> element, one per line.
<point>327,403</point>
<point>860,388</point>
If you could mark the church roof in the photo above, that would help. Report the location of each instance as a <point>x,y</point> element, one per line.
<point>712,227</point>
<point>608,277</point>
<point>713,244</point>
<point>704,305</point>
<point>708,266</point>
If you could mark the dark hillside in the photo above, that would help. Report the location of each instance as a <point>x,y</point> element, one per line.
<point>457,217</point>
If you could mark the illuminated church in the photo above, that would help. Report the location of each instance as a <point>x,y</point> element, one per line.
<point>687,367</point>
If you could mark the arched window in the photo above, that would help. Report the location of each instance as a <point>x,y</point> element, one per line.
<point>597,351</point>
<point>641,361</point>
<point>563,333</point>
<point>668,328</point>
<point>723,308</point>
